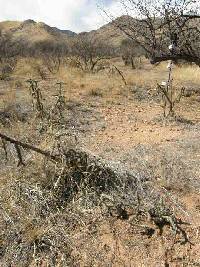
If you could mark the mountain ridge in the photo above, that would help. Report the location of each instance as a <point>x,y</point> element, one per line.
<point>33,31</point>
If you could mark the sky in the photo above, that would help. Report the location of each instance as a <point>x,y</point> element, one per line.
<point>75,15</point>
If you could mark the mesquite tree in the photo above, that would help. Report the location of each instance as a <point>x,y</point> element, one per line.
<point>89,51</point>
<point>130,51</point>
<point>156,24</point>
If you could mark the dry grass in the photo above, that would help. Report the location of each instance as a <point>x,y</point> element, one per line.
<point>187,73</point>
<point>61,215</point>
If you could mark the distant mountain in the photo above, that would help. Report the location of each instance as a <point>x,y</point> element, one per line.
<point>32,31</point>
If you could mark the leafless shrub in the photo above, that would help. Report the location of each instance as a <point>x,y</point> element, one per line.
<point>52,54</point>
<point>88,52</point>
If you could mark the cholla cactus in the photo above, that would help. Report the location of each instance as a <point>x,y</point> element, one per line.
<point>37,101</point>
<point>169,95</point>
<point>56,118</point>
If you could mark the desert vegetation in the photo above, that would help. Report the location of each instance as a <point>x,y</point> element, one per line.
<point>99,155</point>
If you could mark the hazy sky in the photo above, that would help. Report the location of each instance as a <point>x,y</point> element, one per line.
<point>75,15</point>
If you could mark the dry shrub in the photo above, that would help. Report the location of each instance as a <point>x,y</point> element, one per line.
<point>51,213</point>
<point>96,92</point>
<point>40,212</point>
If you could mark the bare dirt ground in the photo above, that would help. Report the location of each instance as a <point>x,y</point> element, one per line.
<point>124,125</point>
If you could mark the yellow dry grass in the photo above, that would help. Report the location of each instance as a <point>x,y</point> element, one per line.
<point>147,75</point>
<point>182,74</point>
<point>187,73</point>
<point>8,25</point>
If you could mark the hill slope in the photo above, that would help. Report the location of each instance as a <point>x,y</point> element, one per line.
<point>109,33</point>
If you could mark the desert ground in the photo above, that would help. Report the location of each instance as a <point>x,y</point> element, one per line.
<point>119,123</point>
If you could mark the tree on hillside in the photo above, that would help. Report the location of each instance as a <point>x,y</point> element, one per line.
<point>51,52</point>
<point>165,29</point>
<point>88,52</point>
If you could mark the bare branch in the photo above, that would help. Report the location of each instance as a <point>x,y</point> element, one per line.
<point>155,25</point>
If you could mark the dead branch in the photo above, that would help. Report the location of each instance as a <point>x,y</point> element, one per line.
<point>19,144</point>
<point>19,155</point>
<point>121,74</point>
